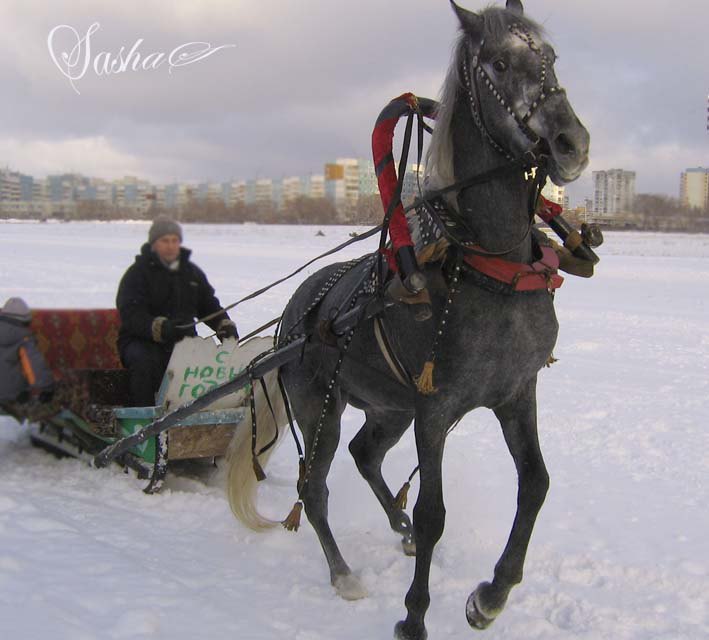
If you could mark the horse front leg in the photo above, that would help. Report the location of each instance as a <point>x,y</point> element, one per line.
<point>429,520</point>
<point>519,425</point>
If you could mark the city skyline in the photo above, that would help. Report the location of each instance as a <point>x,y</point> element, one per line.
<point>342,182</point>
<point>613,189</point>
<point>305,82</point>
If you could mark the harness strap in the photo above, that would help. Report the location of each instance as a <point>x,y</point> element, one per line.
<point>273,413</point>
<point>541,274</point>
<point>341,271</point>
<point>258,469</point>
<point>286,403</point>
<point>528,160</point>
<point>391,359</point>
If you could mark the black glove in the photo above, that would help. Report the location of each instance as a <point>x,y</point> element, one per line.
<point>46,396</point>
<point>227,329</point>
<point>23,397</point>
<point>167,331</point>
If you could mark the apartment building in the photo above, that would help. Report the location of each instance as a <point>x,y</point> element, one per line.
<point>260,192</point>
<point>613,192</point>
<point>694,188</point>
<point>134,194</point>
<point>368,185</point>
<point>314,186</point>
<point>342,185</point>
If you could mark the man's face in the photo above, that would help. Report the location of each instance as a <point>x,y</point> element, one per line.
<point>167,247</point>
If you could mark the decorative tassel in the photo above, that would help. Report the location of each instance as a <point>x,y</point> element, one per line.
<point>424,383</point>
<point>551,360</point>
<point>258,469</point>
<point>402,497</point>
<point>292,522</point>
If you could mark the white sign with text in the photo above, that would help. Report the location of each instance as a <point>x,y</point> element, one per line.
<point>198,365</point>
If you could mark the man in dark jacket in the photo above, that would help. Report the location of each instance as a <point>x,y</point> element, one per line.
<point>23,371</point>
<point>159,297</point>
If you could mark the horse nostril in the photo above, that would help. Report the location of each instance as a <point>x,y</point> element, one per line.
<point>564,145</point>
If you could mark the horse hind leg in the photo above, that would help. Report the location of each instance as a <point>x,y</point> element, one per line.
<point>368,448</point>
<point>519,425</point>
<point>321,431</point>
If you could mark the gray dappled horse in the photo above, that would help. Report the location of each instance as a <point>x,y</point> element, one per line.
<point>500,100</point>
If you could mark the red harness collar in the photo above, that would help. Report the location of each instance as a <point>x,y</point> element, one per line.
<point>521,277</point>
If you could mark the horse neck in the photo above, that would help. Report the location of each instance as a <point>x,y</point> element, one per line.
<point>496,211</point>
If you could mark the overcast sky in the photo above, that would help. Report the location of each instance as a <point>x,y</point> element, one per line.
<point>305,80</point>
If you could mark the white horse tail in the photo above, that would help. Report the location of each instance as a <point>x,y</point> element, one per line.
<point>241,476</point>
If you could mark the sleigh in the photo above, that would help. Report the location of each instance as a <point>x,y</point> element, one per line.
<point>91,408</point>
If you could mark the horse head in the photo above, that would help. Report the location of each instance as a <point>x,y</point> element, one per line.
<point>506,67</point>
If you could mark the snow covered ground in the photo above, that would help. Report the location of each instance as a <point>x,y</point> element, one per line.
<point>620,550</point>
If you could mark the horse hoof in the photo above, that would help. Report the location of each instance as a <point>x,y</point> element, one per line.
<point>349,587</point>
<point>400,633</point>
<point>409,546</point>
<point>474,611</point>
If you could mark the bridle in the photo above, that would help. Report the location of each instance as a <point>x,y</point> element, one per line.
<point>472,82</point>
<point>536,156</point>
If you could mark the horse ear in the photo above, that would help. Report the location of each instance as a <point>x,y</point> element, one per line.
<point>515,6</point>
<point>469,21</point>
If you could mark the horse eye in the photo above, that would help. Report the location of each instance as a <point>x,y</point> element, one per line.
<point>500,66</point>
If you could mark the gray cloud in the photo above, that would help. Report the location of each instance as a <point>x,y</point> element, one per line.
<point>307,79</point>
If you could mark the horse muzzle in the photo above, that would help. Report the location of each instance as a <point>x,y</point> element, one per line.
<point>568,153</point>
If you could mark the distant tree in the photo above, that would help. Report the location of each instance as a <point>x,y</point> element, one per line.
<point>262,212</point>
<point>322,211</point>
<point>369,210</point>
<point>216,211</point>
<point>207,210</point>
<point>94,210</point>
<point>657,212</point>
<point>302,210</point>
<point>237,213</point>
<point>295,211</point>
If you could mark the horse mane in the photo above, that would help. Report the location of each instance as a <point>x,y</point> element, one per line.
<point>439,157</point>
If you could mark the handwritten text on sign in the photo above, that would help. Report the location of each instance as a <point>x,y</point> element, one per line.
<point>197,365</point>
<point>198,379</point>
